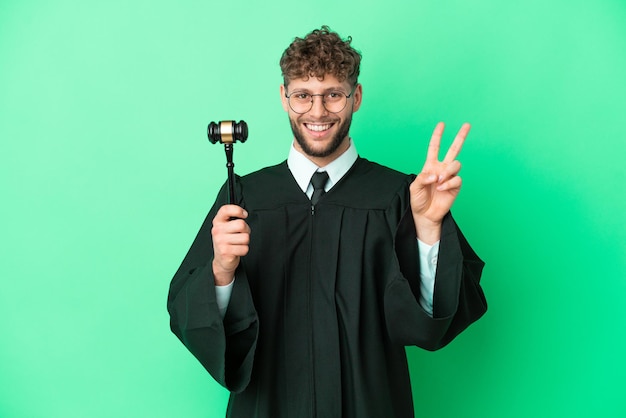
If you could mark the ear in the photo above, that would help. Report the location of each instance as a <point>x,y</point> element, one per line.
<point>358,96</point>
<point>283,98</point>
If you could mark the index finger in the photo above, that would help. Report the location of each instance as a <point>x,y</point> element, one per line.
<point>456,146</point>
<point>434,144</point>
<point>227,212</point>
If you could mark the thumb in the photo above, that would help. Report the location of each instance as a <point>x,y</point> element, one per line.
<point>424,179</point>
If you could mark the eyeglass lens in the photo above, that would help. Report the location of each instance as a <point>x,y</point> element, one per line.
<point>333,102</point>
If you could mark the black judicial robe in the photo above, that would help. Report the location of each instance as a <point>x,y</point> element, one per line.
<point>325,300</point>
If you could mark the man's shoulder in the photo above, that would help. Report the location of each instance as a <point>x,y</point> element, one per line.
<point>267,173</point>
<point>269,185</point>
<point>370,185</point>
<point>378,173</point>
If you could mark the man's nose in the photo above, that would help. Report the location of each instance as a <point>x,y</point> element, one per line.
<point>318,109</point>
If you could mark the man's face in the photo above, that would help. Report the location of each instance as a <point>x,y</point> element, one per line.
<point>320,134</point>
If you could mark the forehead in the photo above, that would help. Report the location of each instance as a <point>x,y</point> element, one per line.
<point>315,84</point>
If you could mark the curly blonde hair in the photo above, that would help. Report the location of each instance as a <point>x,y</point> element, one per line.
<point>319,53</point>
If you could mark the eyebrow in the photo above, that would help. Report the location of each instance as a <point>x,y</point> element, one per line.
<point>328,90</point>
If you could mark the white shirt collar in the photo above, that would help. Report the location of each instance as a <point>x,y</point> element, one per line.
<point>302,168</point>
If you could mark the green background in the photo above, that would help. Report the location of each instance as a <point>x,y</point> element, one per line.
<point>106,175</point>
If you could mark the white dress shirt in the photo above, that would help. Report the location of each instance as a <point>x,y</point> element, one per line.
<point>302,170</point>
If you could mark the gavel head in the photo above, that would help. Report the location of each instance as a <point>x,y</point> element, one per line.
<point>227,132</point>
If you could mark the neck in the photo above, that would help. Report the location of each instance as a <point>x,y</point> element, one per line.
<point>324,161</point>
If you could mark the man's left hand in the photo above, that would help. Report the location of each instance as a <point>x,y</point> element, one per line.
<point>436,187</point>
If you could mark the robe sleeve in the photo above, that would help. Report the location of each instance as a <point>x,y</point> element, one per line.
<point>224,347</point>
<point>458,299</point>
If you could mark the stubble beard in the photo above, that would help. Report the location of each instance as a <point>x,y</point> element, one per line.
<point>335,143</point>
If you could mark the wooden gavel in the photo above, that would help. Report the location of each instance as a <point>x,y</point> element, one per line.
<point>227,132</point>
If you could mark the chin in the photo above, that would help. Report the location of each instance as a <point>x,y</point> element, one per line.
<point>320,147</point>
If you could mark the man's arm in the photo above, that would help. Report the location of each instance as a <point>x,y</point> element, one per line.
<point>457,299</point>
<point>224,344</point>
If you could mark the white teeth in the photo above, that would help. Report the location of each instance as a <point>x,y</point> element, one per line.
<point>318,128</point>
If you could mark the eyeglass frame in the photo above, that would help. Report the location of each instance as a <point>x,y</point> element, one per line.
<point>323,101</point>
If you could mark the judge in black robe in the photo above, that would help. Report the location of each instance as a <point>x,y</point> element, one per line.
<point>326,299</point>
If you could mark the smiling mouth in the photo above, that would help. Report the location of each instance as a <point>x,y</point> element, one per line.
<point>318,127</point>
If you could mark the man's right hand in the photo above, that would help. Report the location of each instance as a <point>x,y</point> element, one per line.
<point>231,236</point>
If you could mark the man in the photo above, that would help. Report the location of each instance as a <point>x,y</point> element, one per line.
<point>301,298</point>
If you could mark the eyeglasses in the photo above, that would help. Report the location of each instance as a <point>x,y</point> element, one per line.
<point>333,101</point>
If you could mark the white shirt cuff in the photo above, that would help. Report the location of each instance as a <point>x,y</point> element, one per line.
<point>222,295</point>
<point>428,256</point>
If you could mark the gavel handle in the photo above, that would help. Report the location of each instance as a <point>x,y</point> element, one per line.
<point>230,166</point>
